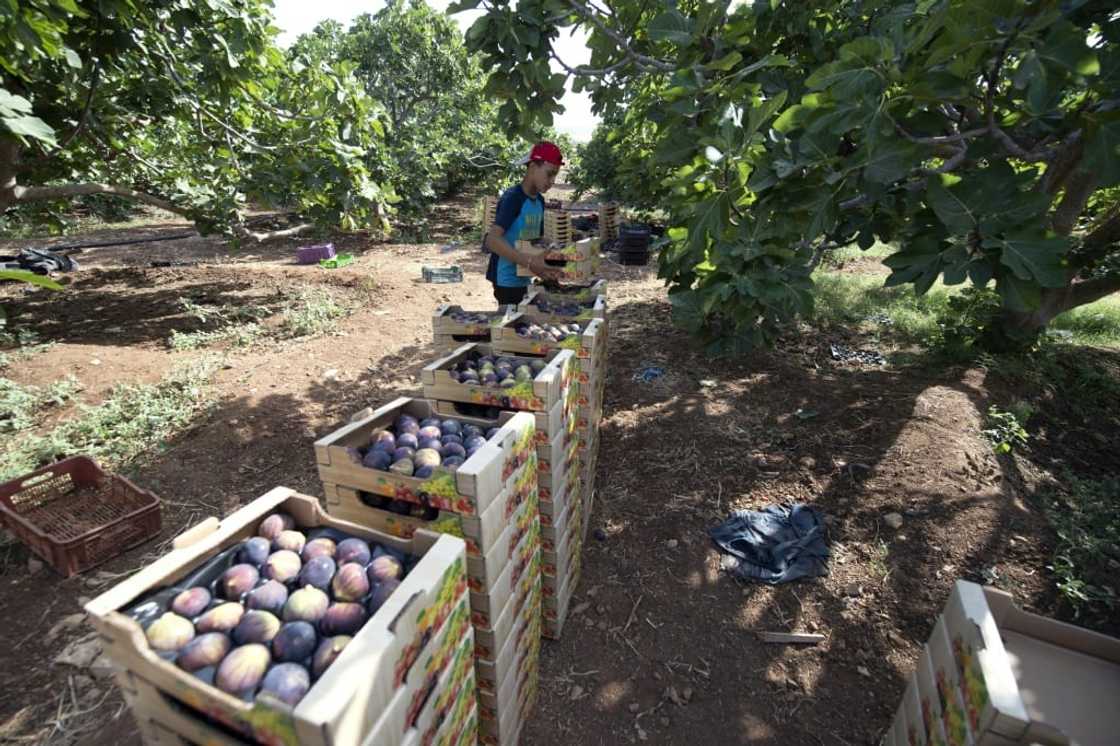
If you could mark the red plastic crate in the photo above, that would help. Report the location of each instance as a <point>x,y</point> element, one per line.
<point>76,516</point>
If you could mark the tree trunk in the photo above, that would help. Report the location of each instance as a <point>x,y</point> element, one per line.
<point>1018,330</point>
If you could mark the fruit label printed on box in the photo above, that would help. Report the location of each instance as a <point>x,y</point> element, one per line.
<point>458,625</point>
<point>973,689</point>
<point>461,657</point>
<point>453,584</point>
<point>523,449</point>
<point>450,721</point>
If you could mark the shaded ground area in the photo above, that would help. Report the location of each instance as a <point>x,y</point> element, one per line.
<point>661,646</point>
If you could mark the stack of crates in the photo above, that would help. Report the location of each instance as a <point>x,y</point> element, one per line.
<point>405,677</point>
<point>488,211</point>
<point>452,326</point>
<point>566,527</point>
<point>557,228</point>
<point>610,221</point>
<point>491,500</point>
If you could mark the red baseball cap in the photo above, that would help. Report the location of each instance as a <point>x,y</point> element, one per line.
<point>544,151</point>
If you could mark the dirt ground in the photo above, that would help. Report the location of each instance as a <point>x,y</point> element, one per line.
<point>661,646</point>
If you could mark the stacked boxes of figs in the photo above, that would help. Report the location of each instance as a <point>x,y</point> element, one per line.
<point>566,514</point>
<point>475,477</point>
<point>993,675</point>
<point>452,326</point>
<point>281,624</point>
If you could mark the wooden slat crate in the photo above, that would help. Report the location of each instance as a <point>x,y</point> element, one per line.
<point>469,490</point>
<point>548,424</point>
<point>539,395</point>
<point>570,270</point>
<point>557,226</point>
<point>574,292</point>
<point>486,608</point>
<point>479,532</point>
<point>341,708</point>
<point>592,338</point>
<point>596,308</point>
<point>610,221</point>
<point>488,212</point>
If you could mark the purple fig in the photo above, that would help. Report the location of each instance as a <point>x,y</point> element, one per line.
<point>239,580</point>
<point>254,551</point>
<point>350,582</point>
<point>326,653</point>
<point>221,618</point>
<point>402,453</point>
<point>256,626</point>
<point>429,422</point>
<point>404,467</point>
<point>433,443</point>
<point>292,541</point>
<point>453,462</point>
<point>204,650</point>
<point>453,449</point>
<point>423,472</point>
<point>475,441</point>
<point>271,527</point>
<point>288,682</point>
<point>283,566</point>
<point>294,642</point>
<point>321,547</point>
<point>269,597</point>
<point>241,671</point>
<point>170,632</point>
<point>379,459</point>
<point>430,432</point>
<point>406,423</point>
<point>318,572</point>
<point>308,604</point>
<point>385,567</point>
<point>382,440</point>
<point>343,618</point>
<point>191,602</point>
<point>353,550</point>
<point>380,595</point>
<point>451,439</point>
<point>426,457</point>
<point>408,440</point>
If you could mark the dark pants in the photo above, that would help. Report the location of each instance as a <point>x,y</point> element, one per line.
<point>509,296</point>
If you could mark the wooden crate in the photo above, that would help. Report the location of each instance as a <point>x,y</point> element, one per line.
<point>548,424</point>
<point>610,221</point>
<point>486,608</point>
<point>488,641</point>
<point>488,213</point>
<point>479,532</point>
<point>469,490</point>
<point>341,707</point>
<point>530,307</point>
<point>539,395</point>
<point>557,227</point>
<point>578,292</point>
<point>591,339</point>
<point>483,572</point>
<point>570,270</point>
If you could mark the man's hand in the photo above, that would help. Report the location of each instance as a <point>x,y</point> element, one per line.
<point>539,267</point>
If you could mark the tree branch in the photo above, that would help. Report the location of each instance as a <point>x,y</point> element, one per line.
<point>1079,187</point>
<point>36,193</point>
<point>1093,290</point>
<point>244,232</point>
<point>641,60</point>
<point>590,71</point>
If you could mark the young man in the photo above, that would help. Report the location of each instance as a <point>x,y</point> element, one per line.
<point>520,216</point>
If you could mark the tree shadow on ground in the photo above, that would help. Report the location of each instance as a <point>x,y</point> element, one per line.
<point>679,453</point>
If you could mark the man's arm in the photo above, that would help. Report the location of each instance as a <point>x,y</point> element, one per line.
<point>497,243</point>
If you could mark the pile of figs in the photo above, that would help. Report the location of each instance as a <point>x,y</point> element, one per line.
<point>561,308</point>
<point>460,316</point>
<point>503,372</point>
<point>547,332</point>
<point>281,614</point>
<point>414,448</point>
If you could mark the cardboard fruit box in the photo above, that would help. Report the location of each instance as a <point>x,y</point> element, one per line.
<point>468,490</point>
<point>570,270</point>
<point>1024,678</point>
<point>559,500</point>
<point>486,608</point>
<point>445,321</point>
<point>556,531</point>
<point>575,292</point>
<point>488,641</point>
<point>540,394</point>
<point>544,307</point>
<point>500,713</point>
<point>455,721</point>
<point>483,572</point>
<point>341,707</point>
<point>520,651</point>
<point>524,711</point>
<point>591,339</point>
<point>479,532</point>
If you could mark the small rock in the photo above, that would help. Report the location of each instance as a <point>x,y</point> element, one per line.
<point>330,374</point>
<point>672,543</point>
<point>592,591</point>
<point>893,520</point>
<point>642,735</point>
<point>580,608</point>
<point>227,365</point>
<point>634,707</point>
<point>600,609</point>
<point>70,621</point>
<point>34,566</point>
<point>707,383</point>
<point>80,653</point>
<point>577,691</point>
<point>83,600</point>
<point>862,670</point>
<point>82,681</point>
<point>232,423</point>
<point>674,696</point>
<point>95,361</point>
<point>687,693</point>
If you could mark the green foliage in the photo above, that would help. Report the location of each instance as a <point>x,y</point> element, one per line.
<point>308,313</point>
<point>976,136</point>
<point>1087,552</point>
<point>962,324</point>
<point>312,312</point>
<point>20,405</point>
<point>1005,429</point>
<point>849,301</point>
<point>127,424</point>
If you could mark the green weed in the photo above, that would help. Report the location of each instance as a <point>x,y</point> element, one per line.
<point>20,405</point>
<point>311,313</point>
<point>1086,559</point>
<point>848,300</point>
<point>1005,430</point>
<point>131,421</point>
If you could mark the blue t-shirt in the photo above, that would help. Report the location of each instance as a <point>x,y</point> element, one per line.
<point>521,217</point>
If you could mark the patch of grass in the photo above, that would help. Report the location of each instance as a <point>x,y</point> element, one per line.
<point>1086,561</point>
<point>20,405</point>
<point>850,300</point>
<point>234,335</point>
<point>312,312</point>
<point>1005,429</point>
<point>131,421</point>
<point>1095,324</point>
<point>843,255</point>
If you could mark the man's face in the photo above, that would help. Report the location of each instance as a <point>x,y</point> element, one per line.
<point>544,175</point>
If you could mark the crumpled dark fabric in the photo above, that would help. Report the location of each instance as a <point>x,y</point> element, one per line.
<point>774,545</point>
<point>39,261</point>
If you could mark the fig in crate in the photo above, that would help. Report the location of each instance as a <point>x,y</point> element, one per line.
<point>343,618</point>
<point>350,582</point>
<point>320,547</point>
<point>205,650</point>
<point>239,580</point>
<point>294,642</point>
<point>241,671</point>
<point>191,602</point>
<point>276,523</point>
<point>170,632</point>
<point>290,540</point>
<point>319,573</point>
<point>288,682</point>
<point>222,618</point>
<point>329,649</point>
<point>282,566</point>
<point>353,550</point>
<point>308,604</point>
<point>256,626</point>
<point>269,597</point>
